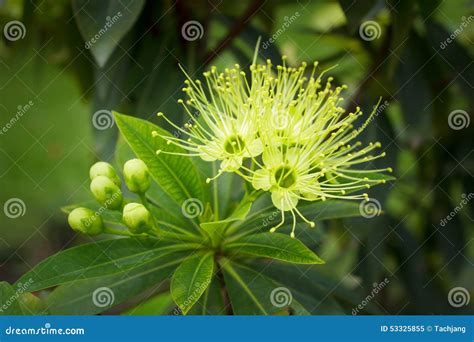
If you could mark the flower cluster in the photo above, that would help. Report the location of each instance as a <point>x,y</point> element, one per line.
<point>106,188</point>
<point>282,130</point>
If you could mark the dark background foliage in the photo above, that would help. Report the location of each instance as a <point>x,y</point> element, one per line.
<point>419,61</point>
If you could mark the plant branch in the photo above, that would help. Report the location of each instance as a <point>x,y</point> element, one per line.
<point>234,31</point>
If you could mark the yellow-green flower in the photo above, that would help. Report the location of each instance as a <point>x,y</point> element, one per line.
<point>293,128</point>
<point>225,128</point>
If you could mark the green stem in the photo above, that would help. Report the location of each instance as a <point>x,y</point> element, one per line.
<point>144,201</point>
<point>215,193</point>
<point>112,231</point>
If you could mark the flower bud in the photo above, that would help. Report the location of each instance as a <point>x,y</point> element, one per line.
<point>104,169</point>
<point>137,218</point>
<point>106,192</point>
<point>85,221</point>
<point>136,176</point>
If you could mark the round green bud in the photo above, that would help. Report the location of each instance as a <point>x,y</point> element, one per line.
<point>85,221</point>
<point>104,169</point>
<point>106,192</point>
<point>137,176</point>
<point>137,218</point>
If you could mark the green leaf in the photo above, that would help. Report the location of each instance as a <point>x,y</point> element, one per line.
<point>211,302</point>
<point>191,279</point>
<point>269,216</point>
<point>9,300</point>
<point>168,211</point>
<point>216,229</point>
<point>319,293</point>
<point>94,260</point>
<point>157,305</point>
<point>251,293</point>
<point>94,295</point>
<point>315,298</point>
<point>275,246</point>
<point>104,23</point>
<point>176,175</point>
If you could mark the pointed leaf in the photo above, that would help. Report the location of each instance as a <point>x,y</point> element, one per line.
<point>94,295</point>
<point>268,216</point>
<point>211,302</point>
<point>176,175</point>
<point>94,260</point>
<point>104,23</point>
<point>275,246</point>
<point>9,300</point>
<point>157,305</point>
<point>191,279</point>
<point>251,293</point>
<point>216,229</point>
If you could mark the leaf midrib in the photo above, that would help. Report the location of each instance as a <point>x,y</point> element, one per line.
<point>168,170</point>
<point>127,279</point>
<point>49,284</point>
<point>227,266</point>
<point>245,244</point>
